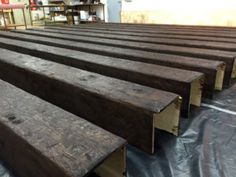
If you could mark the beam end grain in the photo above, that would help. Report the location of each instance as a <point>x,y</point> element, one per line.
<point>220,77</point>
<point>234,69</point>
<point>196,91</point>
<point>168,119</point>
<point>114,166</point>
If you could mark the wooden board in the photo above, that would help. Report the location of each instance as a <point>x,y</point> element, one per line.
<point>165,78</point>
<point>177,26</point>
<point>152,32</point>
<point>149,39</point>
<point>124,41</point>
<point>145,42</point>
<point>51,142</point>
<point>152,27</point>
<point>124,108</point>
<point>209,68</point>
<point>134,50</point>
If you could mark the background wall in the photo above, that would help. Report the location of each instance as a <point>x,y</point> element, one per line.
<point>193,12</point>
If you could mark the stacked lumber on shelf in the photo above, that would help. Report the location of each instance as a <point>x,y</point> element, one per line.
<point>39,139</point>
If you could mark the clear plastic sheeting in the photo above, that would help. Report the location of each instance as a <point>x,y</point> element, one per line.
<point>206,149</point>
<point>206,146</point>
<point>4,172</point>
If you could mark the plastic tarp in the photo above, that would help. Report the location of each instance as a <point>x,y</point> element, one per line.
<point>206,146</point>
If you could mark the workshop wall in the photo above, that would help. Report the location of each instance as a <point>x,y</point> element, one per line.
<point>192,12</point>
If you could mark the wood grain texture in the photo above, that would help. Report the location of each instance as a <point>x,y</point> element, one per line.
<point>165,78</point>
<point>116,41</point>
<point>175,26</point>
<point>84,32</point>
<point>123,108</point>
<point>166,26</point>
<point>139,53</point>
<point>152,31</point>
<point>208,67</point>
<point>39,139</point>
<point>160,39</point>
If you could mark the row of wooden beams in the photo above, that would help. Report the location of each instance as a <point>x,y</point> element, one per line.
<point>66,30</point>
<point>153,27</point>
<point>205,27</point>
<point>153,32</point>
<point>129,110</point>
<point>134,51</point>
<point>143,41</point>
<point>38,139</point>
<point>213,70</point>
<point>165,78</point>
<point>144,46</point>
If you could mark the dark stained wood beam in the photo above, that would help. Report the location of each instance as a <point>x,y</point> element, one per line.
<point>187,84</point>
<point>175,26</point>
<point>118,40</point>
<point>156,47</point>
<point>155,27</point>
<point>128,54</point>
<point>104,34</point>
<point>152,32</point>
<point>129,110</point>
<point>39,139</point>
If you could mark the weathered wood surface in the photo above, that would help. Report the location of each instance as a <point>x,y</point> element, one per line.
<point>118,40</point>
<point>134,54</point>
<point>209,68</point>
<point>164,78</point>
<point>153,26</point>
<point>38,139</point>
<point>179,26</point>
<point>149,33</point>
<point>104,34</point>
<point>153,32</point>
<point>163,27</point>
<point>126,109</point>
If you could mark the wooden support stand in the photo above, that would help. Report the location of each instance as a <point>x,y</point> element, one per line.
<point>5,8</point>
